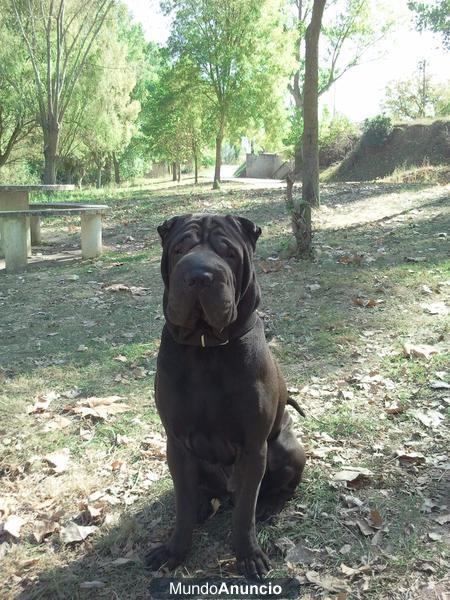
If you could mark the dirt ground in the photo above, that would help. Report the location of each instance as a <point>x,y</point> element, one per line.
<point>362,335</point>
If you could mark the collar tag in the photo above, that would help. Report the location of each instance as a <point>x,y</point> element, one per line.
<point>202,340</point>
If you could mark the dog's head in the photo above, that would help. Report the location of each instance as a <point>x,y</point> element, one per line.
<point>207,268</point>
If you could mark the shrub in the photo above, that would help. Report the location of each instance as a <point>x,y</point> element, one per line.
<point>377,130</point>
<point>337,137</point>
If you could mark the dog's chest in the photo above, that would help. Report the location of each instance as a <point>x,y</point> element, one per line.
<point>207,420</point>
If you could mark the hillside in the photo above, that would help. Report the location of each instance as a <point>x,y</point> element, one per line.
<point>409,145</point>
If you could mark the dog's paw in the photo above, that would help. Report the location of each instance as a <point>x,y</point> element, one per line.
<point>267,510</point>
<point>161,556</point>
<point>254,566</point>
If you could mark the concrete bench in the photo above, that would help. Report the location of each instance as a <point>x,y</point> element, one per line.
<point>15,229</point>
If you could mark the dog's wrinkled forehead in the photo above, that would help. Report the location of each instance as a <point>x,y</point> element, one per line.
<point>204,226</point>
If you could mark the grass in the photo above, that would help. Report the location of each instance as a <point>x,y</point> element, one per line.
<point>62,330</point>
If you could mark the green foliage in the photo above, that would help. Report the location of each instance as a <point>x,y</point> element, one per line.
<point>417,97</point>
<point>337,136</point>
<point>239,50</point>
<point>175,115</point>
<point>377,130</point>
<point>17,103</point>
<point>435,17</point>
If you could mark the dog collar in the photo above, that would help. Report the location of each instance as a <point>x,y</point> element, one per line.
<point>203,343</point>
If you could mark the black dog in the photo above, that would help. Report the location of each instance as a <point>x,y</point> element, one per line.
<point>219,391</point>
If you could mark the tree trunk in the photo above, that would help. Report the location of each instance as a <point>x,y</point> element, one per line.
<point>51,139</point>
<point>99,177</point>
<point>219,140</point>
<point>116,168</point>
<point>108,170</point>
<point>174,171</point>
<point>179,172</point>
<point>195,167</point>
<point>301,216</point>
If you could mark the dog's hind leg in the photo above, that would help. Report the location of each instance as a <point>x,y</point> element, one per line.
<point>285,462</point>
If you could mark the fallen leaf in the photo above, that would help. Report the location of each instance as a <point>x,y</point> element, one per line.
<point>58,460</point>
<point>351,259</point>
<point>364,527</point>
<point>431,418</point>
<point>436,308</point>
<point>117,287</point>
<point>375,519</point>
<point>442,519</point>
<point>377,538</point>
<point>395,408</point>
<point>300,554</point>
<point>13,525</point>
<point>43,528</point>
<point>121,561</point>
<point>366,302</point>
<point>353,478</point>
<point>116,465</point>
<point>76,533</point>
<point>439,385</point>
<point>91,585</point>
<point>435,537</point>
<point>139,373</point>
<point>326,582</point>
<point>410,457</point>
<point>423,351</point>
<point>58,422</point>
<point>82,348</point>
<point>121,358</point>
<point>416,259</point>
<point>101,408</point>
<point>42,402</point>
<point>350,572</point>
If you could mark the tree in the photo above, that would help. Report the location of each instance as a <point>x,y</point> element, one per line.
<point>417,97</point>
<point>58,36</point>
<point>350,29</point>
<point>175,117</point>
<point>435,17</point>
<point>301,213</point>
<point>238,49</point>
<point>17,108</point>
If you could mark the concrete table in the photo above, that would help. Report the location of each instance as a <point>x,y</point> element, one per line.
<point>16,197</point>
<point>15,229</point>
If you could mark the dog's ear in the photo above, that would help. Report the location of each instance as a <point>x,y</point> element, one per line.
<point>253,231</point>
<point>165,228</point>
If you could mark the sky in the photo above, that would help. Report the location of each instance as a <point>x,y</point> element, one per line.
<point>360,92</point>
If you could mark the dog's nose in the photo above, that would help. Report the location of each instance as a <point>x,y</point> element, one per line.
<point>199,278</point>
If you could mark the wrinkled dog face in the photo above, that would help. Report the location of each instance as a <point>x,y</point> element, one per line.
<point>205,266</point>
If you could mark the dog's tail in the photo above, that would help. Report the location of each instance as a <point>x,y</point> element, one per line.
<point>291,402</point>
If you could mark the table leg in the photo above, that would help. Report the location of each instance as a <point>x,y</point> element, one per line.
<point>91,235</point>
<point>35,227</point>
<point>15,247</point>
<point>14,201</point>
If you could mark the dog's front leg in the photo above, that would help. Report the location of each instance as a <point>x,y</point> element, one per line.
<point>184,471</point>
<point>251,560</point>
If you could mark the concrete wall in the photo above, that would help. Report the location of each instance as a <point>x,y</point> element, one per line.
<point>262,166</point>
